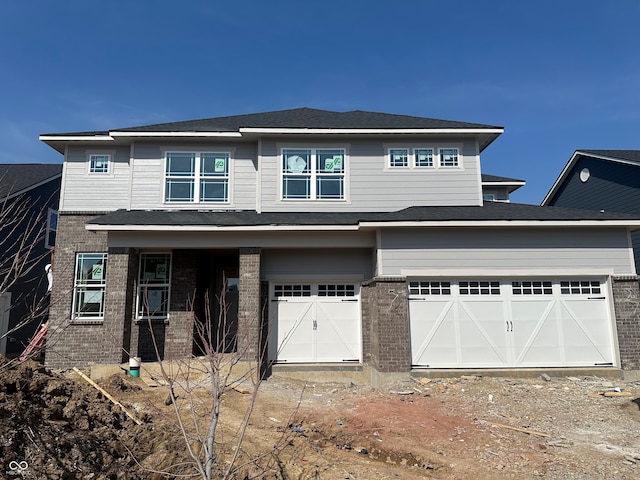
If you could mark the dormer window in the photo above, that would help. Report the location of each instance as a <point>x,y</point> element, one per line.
<point>99,163</point>
<point>313,174</point>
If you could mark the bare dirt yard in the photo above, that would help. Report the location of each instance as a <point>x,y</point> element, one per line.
<point>56,425</point>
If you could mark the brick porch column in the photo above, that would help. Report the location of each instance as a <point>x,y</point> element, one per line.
<point>249,311</point>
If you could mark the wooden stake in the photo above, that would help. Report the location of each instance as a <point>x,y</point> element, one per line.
<point>106,394</point>
<point>523,430</point>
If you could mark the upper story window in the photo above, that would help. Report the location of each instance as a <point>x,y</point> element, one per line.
<point>197,177</point>
<point>448,157</point>
<point>313,174</point>
<point>89,286</point>
<point>399,157</point>
<point>423,157</point>
<point>419,157</point>
<point>99,163</point>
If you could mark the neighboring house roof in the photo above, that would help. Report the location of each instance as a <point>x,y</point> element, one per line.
<point>631,157</point>
<point>491,213</point>
<point>298,120</point>
<point>17,178</point>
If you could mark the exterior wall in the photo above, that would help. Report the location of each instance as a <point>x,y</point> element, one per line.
<point>88,192</point>
<point>612,186</point>
<point>91,342</point>
<point>371,186</point>
<point>407,251</point>
<point>138,183</point>
<point>385,319</point>
<point>501,193</point>
<point>626,299</point>
<point>355,263</point>
<point>29,298</point>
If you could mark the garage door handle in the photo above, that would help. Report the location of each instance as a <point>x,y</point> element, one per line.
<point>596,298</point>
<point>349,300</point>
<point>509,326</point>
<point>279,300</point>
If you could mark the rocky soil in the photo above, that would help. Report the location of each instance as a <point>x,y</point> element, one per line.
<point>56,425</point>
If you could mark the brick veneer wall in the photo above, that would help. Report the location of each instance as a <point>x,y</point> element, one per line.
<point>626,300</point>
<point>385,316</point>
<point>86,343</point>
<point>249,311</point>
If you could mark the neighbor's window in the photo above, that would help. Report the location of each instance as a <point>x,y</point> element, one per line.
<point>313,174</point>
<point>99,163</point>
<point>423,157</point>
<point>197,177</point>
<point>153,285</point>
<point>52,228</point>
<point>89,286</point>
<point>398,157</point>
<point>448,157</point>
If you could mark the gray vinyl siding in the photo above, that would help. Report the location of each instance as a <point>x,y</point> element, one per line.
<point>147,187</point>
<point>309,264</point>
<point>528,250</point>
<point>87,192</point>
<point>370,185</point>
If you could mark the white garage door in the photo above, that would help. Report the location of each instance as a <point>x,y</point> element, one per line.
<point>510,323</point>
<point>315,322</point>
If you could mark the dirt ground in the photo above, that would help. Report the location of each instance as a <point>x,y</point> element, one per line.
<point>56,425</point>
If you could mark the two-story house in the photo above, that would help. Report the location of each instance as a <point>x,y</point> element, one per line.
<point>358,239</point>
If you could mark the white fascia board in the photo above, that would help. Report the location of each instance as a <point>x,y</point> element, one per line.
<point>59,138</point>
<point>635,224</point>
<point>175,134</point>
<point>215,228</point>
<point>370,130</point>
<point>502,184</point>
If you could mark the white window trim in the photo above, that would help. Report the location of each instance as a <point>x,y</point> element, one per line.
<point>314,148</point>
<point>75,317</point>
<point>111,154</point>
<point>412,165</point>
<point>140,286</point>
<point>196,193</point>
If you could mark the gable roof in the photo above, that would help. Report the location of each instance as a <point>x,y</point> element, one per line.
<point>298,120</point>
<point>17,178</point>
<point>631,157</point>
<point>491,214</point>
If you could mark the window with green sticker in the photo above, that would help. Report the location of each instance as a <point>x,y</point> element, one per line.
<point>89,286</point>
<point>313,174</point>
<point>197,177</point>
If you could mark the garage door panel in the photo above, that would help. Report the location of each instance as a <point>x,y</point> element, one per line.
<point>524,322</point>
<point>294,331</point>
<point>337,332</point>
<point>482,333</point>
<point>433,333</point>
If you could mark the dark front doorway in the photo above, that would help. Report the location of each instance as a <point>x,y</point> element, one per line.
<point>216,304</point>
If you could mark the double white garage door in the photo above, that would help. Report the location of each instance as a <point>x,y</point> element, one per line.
<point>510,323</point>
<point>315,322</point>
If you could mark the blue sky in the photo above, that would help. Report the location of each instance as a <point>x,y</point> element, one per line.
<point>559,75</point>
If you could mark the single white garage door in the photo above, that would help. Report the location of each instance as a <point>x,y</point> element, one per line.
<point>315,322</point>
<point>510,323</point>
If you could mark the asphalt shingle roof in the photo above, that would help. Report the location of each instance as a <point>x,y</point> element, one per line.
<point>628,155</point>
<point>491,211</point>
<point>16,177</point>
<point>495,179</point>
<point>298,118</point>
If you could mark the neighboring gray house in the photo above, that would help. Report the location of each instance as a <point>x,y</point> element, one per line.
<point>355,239</point>
<point>29,195</point>
<point>598,180</point>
